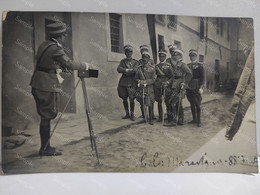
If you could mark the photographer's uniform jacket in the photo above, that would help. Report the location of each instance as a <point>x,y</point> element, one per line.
<point>46,82</point>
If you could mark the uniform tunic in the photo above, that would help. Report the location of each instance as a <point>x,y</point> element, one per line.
<point>164,73</point>
<point>127,84</point>
<point>180,74</point>
<point>196,81</point>
<point>44,82</point>
<point>146,72</point>
<point>150,61</point>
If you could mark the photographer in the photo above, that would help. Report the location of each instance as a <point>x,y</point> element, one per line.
<point>46,81</point>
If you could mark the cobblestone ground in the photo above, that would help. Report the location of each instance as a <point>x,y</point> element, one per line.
<point>139,148</point>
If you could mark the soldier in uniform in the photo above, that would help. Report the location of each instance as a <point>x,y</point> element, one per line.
<point>127,85</point>
<point>46,81</point>
<point>163,73</point>
<point>181,75</point>
<point>172,60</point>
<point>194,90</point>
<point>145,76</point>
<point>145,48</point>
<point>168,90</point>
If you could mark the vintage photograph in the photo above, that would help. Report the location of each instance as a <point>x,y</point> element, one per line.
<point>125,92</point>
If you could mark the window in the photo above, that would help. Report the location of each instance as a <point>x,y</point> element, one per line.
<point>217,76</point>
<point>160,19</point>
<point>178,43</point>
<point>201,58</point>
<point>172,22</point>
<point>221,26</point>
<point>201,28</point>
<point>116,33</point>
<point>161,44</point>
<point>228,30</point>
<point>217,25</point>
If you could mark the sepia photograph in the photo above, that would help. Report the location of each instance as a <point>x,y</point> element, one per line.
<point>127,92</point>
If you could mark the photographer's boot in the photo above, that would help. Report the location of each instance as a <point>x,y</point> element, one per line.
<point>45,135</point>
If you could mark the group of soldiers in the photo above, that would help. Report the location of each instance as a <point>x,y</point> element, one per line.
<point>168,81</point>
<point>141,80</point>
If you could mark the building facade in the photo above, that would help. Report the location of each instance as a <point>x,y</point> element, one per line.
<point>98,38</point>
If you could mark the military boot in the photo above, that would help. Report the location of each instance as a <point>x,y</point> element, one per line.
<point>194,115</point>
<point>45,135</point>
<point>160,112</point>
<point>132,108</point>
<point>125,103</point>
<point>198,115</point>
<point>151,116</point>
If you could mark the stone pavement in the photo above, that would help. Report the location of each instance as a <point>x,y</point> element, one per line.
<point>74,127</point>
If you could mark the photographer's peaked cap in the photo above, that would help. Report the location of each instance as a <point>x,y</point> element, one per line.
<point>56,28</point>
<point>128,47</point>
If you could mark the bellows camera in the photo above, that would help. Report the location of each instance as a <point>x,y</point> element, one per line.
<point>90,73</point>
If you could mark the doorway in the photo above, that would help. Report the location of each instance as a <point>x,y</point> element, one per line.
<point>216,75</point>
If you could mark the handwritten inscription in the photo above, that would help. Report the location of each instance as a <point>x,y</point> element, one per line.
<point>157,160</point>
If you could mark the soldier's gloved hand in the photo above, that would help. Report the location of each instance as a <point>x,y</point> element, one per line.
<point>200,91</point>
<point>138,83</point>
<point>142,82</point>
<point>128,69</point>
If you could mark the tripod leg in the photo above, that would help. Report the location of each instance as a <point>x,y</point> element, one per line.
<point>87,110</point>
<point>91,132</point>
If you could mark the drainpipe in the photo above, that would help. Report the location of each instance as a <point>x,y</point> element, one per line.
<point>206,45</point>
<point>151,29</point>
